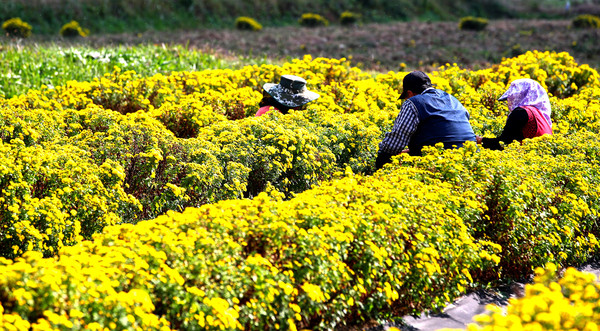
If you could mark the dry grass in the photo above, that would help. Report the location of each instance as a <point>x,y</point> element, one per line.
<point>383,47</point>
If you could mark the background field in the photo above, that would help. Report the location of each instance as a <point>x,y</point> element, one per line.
<point>412,35</point>
<point>392,46</point>
<point>47,16</point>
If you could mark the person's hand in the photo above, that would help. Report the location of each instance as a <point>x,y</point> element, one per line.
<point>405,151</point>
<point>478,139</point>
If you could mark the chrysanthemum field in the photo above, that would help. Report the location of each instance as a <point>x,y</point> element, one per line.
<point>133,202</point>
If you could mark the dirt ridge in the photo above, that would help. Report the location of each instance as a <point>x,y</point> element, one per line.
<point>385,47</point>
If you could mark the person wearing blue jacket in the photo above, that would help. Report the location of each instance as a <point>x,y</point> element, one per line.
<point>427,116</point>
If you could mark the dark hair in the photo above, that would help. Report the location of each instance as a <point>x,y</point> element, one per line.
<point>416,82</point>
<point>268,100</point>
<point>420,89</point>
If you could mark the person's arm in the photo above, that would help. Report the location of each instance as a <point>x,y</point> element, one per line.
<point>513,130</point>
<point>396,140</point>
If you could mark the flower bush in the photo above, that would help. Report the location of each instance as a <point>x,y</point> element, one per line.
<point>54,196</point>
<point>173,139</point>
<point>247,23</point>
<point>554,302</point>
<point>472,23</point>
<point>349,18</point>
<point>182,210</point>
<point>343,249</point>
<point>72,30</point>
<point>540,199</point>
<point>15,27</point>
<point>312,20</point>
<point>586,21</point>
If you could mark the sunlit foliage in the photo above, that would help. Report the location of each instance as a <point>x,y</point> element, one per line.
<point>162,203</point>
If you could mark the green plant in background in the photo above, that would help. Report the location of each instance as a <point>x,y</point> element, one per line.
<point>247,23</point>
<point>472,23</point>
<point>586,21</point>
<point>349,18</point>
<point>15,27</point>
<point>31,67</point>
<point>313,20</point>
<point>72,30</point>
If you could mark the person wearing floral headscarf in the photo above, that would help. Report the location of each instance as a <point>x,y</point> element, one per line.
<point>529,114</point>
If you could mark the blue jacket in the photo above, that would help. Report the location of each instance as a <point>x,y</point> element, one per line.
<point>442,118</point>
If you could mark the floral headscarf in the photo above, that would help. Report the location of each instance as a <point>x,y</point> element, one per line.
<point>528,92</point>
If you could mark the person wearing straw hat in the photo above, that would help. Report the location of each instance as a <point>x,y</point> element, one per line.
<point>427,116</point>
<point>528,117</point>
<point>290,93</point>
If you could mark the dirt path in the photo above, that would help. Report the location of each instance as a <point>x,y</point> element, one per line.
<point>461,312</point>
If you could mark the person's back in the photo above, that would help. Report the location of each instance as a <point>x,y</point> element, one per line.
<point>536,125</point>
<point>427,116</point>
<point>442,118</point>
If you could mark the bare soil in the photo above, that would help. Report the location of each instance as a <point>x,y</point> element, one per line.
<point>384,47</point>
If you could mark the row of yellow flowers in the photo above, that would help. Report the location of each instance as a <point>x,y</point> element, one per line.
<point>555,301</point>
<point>406,239</point>
<point>148,145</point>
<point>541,199</point>
<point>352,248</point>
<point>124,148</point>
